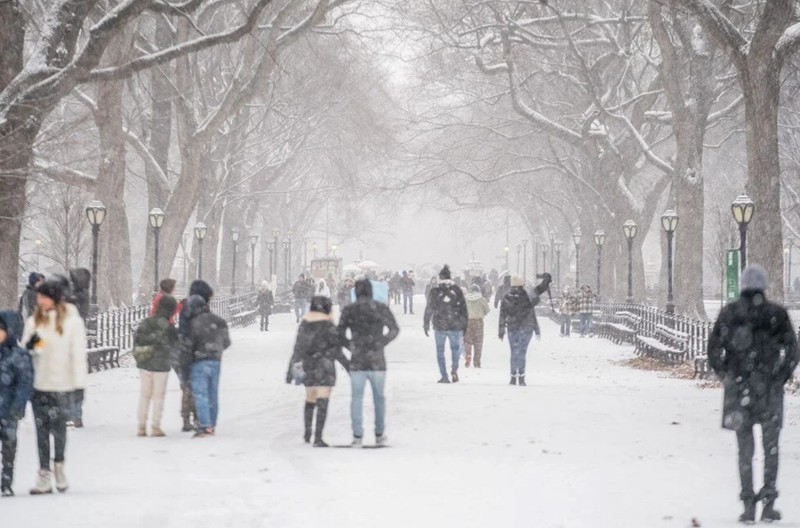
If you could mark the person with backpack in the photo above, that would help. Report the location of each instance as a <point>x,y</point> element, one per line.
<point>447,310</point>
<point>154,344</point>
<point>265,302</point>
<point>477,310</point>
<point>16,388</point>
<point>518,319</point>
<point>316,350</point>
<point>27,301</point>
<point>367,320</point>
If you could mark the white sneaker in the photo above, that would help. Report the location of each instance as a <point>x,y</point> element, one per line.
<point>61,477</point>
<point>44,483</point>
<point>356,442</point>
<point>381,440</point>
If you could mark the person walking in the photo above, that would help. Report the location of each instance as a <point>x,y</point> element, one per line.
<point>428,287</point>
<point>317,349</point>
<point>27,301</point>
<point>201,358</point>
<point>407,286</point>
<point>518,319</point>
<point>56,337</point>
<point>372,327</point>
<point>16,388</point>
<point>502,290</point>
<point>166,287</point>
<point>322,290</point>
<point>567,308</point>
<point>200,289</point>
<point>154,344</point>
<point>299,291</point>
<point>447,310</point>
<point>753,351</point>
<point>265,302</point>
<point>586,299</point>
<point>477,309</point>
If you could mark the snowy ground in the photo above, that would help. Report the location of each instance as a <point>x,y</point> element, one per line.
<point>587,443</point>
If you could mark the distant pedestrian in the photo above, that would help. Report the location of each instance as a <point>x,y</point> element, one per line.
<point>343,295</point>
<point>16,388</point>
<point>56,337</point>
<point>372,327</point>
<point>477,309</point>
<point>265,302</point>
<point>407,286</point>
<point>447,310</point>
<point>567,306</point>
<point>586,299</point>
<point>753,350</point>
<point>155,343</point>
<point>300,292</point>
<point>322,290</point>
<point>428,287</point>
<point>518,318</point>
<point>27,301</point>
<point>317,348</point>
<point>486,288</point>
<point>395,288</point>
<point>502,290</point>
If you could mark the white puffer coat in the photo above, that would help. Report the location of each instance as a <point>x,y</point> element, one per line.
<point>60,361</point>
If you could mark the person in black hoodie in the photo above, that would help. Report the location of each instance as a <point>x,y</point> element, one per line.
<point>518,317</point>
<point>447,309</point>
<point>317,348</point>
<point>27,301</point>
<point>753,350</point>
<point>16,388</point>
<point>367,319</point>
<point>265,301</point>
<point>188,412</point>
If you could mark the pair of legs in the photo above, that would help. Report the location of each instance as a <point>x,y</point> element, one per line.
<point>300,309</point>
<point>408,303</point>
<point>8,443</point>
<point>473,342</point>
<point>518,341</point>
<point>566,324</point>
<point>50,411</point>
<point>205,388</point>
<point>153,390</point>
<point>358,381</point>
<point>316,398</point>
<point>770,432</point>
<point>264,322</point>
<point>455,337</point>
<point>188,413</point>
<point>586,324</point>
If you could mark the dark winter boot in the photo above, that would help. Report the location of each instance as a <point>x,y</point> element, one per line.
<point>455,376</point>
<point>187,425</point>
<point>522,380</point>
<point>322,415</point>
<point>308,417</point>
<point>749,515</point>
<point>513,379</point>
<point>769,513</point>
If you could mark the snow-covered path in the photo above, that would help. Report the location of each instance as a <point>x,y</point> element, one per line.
<point>586,443</point>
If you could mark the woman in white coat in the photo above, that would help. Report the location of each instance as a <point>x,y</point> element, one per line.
<point>56,336</point>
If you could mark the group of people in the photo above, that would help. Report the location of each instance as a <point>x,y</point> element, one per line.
<point>402,286</point>
<point>580,302</point>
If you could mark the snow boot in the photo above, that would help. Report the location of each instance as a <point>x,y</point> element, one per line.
<point>381,440</point>
<point>749,514</point>
<point>467,362</point>
<point>455,376</point>
<point>187,425</point>
<point>141,431</point>
<point>6,492</point>
<point>308,418</point>
<point>356,442</point>
<point>513,379</point>
<point>322,415</point>
<point>156,432</point>
<point>44,483</point>
<point>61,477</point>
<point>444,380</point>
<point>522,380</point>
<point>78,423</point>
<point>769,513</point>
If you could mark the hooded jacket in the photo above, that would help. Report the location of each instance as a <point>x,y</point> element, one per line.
<point>159,333</point>
<point>446,308</point>
<point>477,305</point>
<point>16,370</point>
<point>318,346</point>
<point>80,279</point>
<point>207,335</point>
<point>366,319</point>
<point>517,312</point>
<point>265,301</point>
<point>502,290</point>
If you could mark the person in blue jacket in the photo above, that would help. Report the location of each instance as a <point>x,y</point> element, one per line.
<point>16,388</point>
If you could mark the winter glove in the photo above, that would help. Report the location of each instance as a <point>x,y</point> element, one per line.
<point>425,329</point>
<point>31,344</point>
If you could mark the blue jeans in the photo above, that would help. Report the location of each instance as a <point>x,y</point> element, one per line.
<point>358,380</point>
<point>408,302</point>
<point>586,324</point>
<point>519,340</point>
<point>205,388</point>
<point>456,338</point>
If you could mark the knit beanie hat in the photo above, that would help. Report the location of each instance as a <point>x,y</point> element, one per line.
<point>201,288</point>
<point>754,278</point>
<point>321,304</point>
<point>53,289</point>
<point>445,273</point>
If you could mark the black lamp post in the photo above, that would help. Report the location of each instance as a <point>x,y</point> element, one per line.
<point>156,221</point>
<point>275,234</point>
<point>286,260</point>
<point>525,259</point>
<point>742,209</point>
<point>576,237</point>
<point>629,230</point>
<point>552,253</point>
<point>314,250</point>
<point>669,222</point>
<point>184,236</point>
<point>253,242</point>
<point>235,238</point>
<point>96,213</point>
<point>199,234</point>
<point>271,249</point>
<point>558,246</point>
<point>506,250</point>
<point>599,240</point>
<point>544,257</point>
<point>289,258</point>
<point>519,252</point>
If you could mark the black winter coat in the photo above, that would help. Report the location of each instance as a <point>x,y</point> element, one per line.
<point>753,350</point>
<point>446,308</point>
<point>366,319</point>
<point>517,312</point>
<point>318,346</point>
<point>265,301</point>
<point>207,336</point>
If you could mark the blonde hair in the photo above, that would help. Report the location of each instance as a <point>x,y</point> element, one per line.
<point>41,318</point>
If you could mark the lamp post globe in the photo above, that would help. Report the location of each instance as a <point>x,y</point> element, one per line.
<point>95,213</point>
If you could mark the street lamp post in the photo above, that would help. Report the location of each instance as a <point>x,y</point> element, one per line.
<point>789,244</point>
<point>235,238</point>
<point>96,213</point>
<point>545,247</point>
<point>286,260</point>
<point>184,236</point>
<point>314,250</point>
<point>669,222</point>
<point>535,249</point>
<point>506,250</point>
<point>525,259</point>
<point>271,249</point>
<point>599,240</point>
<point>519,252</point>
<point>305,254</point>
<point>199,234</point>
<point>156,221</point>
<point>576,237</point>
<point>253,242</point>
<point>333,249</point>
<point>558,246</point>
<point>629,230</point>
<point>275,234</point>
<point>289,257</point>
<point>742,209</point>
<point>552,253</point>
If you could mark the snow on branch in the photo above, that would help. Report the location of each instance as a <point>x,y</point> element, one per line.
<point>789,42</point>
<point>719,27</point>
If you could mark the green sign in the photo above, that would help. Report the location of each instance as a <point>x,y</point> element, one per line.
<point>732,274</point>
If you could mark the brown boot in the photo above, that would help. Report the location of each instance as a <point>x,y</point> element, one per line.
<point>141,431</point>
<point>157,432</point>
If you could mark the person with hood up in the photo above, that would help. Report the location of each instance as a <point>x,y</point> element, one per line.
<point>188,412</point>
<point>56,336</point>
<point>265,302</point>
<point>16,388</point>
<point>407,287</point>
<point>753,351</point>
<point>477,309</point>
<point>367,319</point>
<point>502,291</point>
<point>317,349</point>
<point>447,309</point>
<point>27,301</point>
<point>518,318</point>
<point>154,344</point>
<point>322,290</point>
<point>201,356</point>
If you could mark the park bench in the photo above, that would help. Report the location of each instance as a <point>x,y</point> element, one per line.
<point>621,327</point>
<point>241,314</point>
<point>102,357</point>
<point>667,344</point>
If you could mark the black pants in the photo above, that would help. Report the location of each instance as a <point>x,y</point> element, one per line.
<point>8,441</point>
<point>51,410</point>
<point>770,434</point>
<point>408,302</point>
<point>264,322</point>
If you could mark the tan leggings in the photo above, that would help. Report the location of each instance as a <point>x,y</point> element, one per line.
<point>317,393</point>
<point>154,388</point>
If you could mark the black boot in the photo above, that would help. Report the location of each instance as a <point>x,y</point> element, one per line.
<point>769,513</point>
<point>308,416</point>
<point>513,379</point>
<point>749,515</point>
<point>322,414</point>
<point>187,425</point>
<point>522,380</point>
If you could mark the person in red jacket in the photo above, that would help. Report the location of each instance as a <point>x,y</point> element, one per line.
<point>167,287</point>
